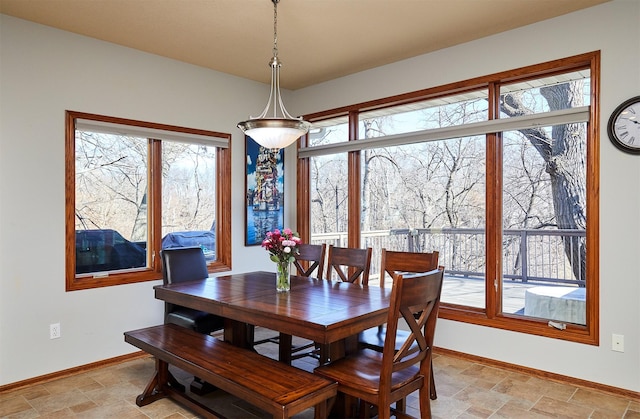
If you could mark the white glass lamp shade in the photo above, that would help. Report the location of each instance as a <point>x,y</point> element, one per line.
<point>274,133</point>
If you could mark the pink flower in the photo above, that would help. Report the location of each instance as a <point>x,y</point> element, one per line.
<point>282,245</point>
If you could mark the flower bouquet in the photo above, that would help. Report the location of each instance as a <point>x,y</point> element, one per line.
<point>283,248</point>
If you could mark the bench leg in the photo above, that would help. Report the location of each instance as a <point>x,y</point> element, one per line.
<point>157,384</point>
<point>164,384</point>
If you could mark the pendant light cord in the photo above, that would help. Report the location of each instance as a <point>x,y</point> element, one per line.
<point>275,27</point>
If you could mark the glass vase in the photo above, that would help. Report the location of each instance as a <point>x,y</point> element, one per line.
<point>283,278</point>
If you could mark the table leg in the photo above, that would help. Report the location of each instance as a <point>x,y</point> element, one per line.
<point>238,333</point>
<point>285,343</point>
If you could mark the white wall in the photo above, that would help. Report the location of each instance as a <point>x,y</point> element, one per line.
<point>614,29</point>
<point>44,71</point>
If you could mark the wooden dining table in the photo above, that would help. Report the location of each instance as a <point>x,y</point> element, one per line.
<point>326,312</point>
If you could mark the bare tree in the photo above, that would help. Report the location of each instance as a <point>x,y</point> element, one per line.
<point>563,153</point>
<point>112,185</point>
<point>110,180</point>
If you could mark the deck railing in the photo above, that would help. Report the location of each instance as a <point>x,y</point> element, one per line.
<point>537,256</point>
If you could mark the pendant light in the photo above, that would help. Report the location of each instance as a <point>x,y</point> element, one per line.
<point>274,128</point>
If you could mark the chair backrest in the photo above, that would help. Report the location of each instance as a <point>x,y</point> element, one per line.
<point>411,294</point>
<point>314,255</point>
<point>350,264</point>
<point>182,264</point>
<point>403,262</point>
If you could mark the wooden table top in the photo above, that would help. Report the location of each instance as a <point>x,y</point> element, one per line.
<point>319,310</point>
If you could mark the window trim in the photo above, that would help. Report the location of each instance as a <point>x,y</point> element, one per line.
<point>222,141</point>
<point>491,315</point>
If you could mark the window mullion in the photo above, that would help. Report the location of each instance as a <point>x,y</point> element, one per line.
<point>353,185</point>
<point>493,232</point>
<point>154,203</point>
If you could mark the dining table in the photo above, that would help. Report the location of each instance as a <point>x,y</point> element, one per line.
<point>327,312</point>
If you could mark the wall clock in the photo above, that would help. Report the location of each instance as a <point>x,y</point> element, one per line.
<point>624,126</point>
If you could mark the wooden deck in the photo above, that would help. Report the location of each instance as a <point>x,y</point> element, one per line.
<point>470,291</point>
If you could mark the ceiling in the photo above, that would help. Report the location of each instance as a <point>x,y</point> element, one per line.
<point>318,40</point>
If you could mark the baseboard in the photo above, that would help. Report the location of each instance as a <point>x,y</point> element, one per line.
<point>72,371</point>
<point>440,351</point>
<point>539,373</point>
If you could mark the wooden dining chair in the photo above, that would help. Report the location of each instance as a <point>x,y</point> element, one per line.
<point>395,262</point>
<point>313,256</point>
<point>183,264</point>
<point>349,264</point>
<point>387,378</point>
<point>309,263</point>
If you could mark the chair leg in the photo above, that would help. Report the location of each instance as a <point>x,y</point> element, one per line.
<point>385,412</point>
<point>401,406</point>
<point>425,403</point>
<point>364,409</point>
<point>320,410</point>
<point>350,408</point>
<point>324,354</point>
<point>432,385</point>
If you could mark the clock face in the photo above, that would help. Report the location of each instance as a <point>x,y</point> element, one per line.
<point>624,126</point>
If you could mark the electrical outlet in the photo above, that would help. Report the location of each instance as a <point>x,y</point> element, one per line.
<point>54,331</point>
<point>617,343</point>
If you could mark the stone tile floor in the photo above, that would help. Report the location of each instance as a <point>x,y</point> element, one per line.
<point>465,390</point>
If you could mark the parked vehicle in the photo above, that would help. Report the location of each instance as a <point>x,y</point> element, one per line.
<point>205,239</point>
<point>106,250</point>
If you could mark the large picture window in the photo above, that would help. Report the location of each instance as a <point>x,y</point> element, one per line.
<point>134,188</point>
<point>497,174</point>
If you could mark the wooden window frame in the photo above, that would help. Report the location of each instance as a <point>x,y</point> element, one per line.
<point>153,271</point>
<point>491,315</point>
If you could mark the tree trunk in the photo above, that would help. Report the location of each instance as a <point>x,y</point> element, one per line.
<point>564,154</point>
<point>139,232</point>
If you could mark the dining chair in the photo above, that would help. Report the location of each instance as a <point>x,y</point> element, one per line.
<point>182,264</point>
<point>399,262</point>
<point>313,255</point>
<point>387,378</point>
<point>349,264</point>
<point>310,260</point>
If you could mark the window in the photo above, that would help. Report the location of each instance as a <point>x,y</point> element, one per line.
<point>134,188</point>
<point>330,188</point>
<point>498,174</point>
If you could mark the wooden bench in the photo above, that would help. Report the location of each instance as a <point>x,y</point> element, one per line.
<point>277,388</point>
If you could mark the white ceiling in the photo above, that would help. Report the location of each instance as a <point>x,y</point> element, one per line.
<point>318,40</point>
